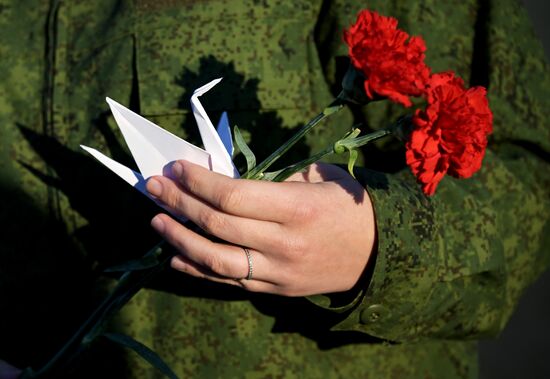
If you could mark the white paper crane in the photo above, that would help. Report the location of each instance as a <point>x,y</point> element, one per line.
<point>155,149</point>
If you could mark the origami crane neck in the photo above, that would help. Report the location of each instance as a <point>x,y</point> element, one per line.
<point>210,138</point>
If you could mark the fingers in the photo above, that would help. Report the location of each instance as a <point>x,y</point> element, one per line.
<point>183,264</point>
<point>255,199</point>
<point>235,229</point>
<point>222,261</point>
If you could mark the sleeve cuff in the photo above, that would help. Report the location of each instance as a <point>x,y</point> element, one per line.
<point>383,303</point>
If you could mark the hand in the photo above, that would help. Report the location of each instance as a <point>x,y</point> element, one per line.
<point>312,234</point>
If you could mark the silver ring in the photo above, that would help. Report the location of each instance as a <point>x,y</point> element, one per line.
<point>249,259</point>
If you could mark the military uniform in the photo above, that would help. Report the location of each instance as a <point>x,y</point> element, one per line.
<point>449,268</point>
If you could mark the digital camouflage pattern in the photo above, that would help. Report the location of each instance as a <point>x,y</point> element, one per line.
<point>449,268</point>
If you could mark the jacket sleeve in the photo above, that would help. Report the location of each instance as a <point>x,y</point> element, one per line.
<point>454,265</point>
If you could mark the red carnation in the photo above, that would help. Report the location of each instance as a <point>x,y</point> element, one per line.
<point>450,136</point>
<point>391,61</point>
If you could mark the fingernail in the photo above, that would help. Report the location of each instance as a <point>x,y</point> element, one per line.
<point>154,187</point>
<point>157,224</point>
<point>177,169</point>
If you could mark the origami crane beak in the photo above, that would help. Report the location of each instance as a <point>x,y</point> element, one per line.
<point>155,149</point>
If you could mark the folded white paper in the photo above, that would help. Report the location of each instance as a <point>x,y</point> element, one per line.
<point>155,149</point>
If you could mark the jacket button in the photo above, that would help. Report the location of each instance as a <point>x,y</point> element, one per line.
<point>373,313</point>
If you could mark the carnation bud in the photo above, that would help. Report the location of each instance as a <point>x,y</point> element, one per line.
<point>353,87</point>
<point>402,128</point>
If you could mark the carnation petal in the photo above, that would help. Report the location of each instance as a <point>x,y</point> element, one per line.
<point>391,60</point>
<point>450,135</point>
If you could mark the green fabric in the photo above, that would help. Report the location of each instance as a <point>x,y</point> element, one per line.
<point>449,269</point>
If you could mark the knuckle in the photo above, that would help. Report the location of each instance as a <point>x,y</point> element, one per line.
<point>214,264</point>
<point>231,198</point>
<point>210,221</point>
<point>190,182</point>
<point>304,209</point>
<point>293,246</point>
<point>171,198</point>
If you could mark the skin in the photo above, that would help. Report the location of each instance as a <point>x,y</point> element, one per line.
<point>312,234</point>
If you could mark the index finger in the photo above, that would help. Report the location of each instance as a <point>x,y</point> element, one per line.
<point>255,199</point>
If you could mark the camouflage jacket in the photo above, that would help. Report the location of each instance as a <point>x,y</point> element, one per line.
<point>449,269</point>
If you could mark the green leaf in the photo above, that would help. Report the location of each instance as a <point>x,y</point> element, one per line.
<point>243,147</point>
<point>146,353</point>
<point>353,154</point>
<point>151,259</point>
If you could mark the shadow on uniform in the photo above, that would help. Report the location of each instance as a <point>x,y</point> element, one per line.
<point>45,288</point>
<point>238,95</point>
<point>116,214</point>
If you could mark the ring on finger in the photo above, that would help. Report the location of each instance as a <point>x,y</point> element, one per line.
<point>249,261</point>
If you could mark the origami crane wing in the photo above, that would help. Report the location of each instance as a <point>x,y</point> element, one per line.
<point>155,149</point>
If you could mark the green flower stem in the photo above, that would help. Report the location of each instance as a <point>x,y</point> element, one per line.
<point>348,144</point>
<point>345,144</point>
<point>128,285</point>
<point>256,172</point>
<point>289,171</point>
